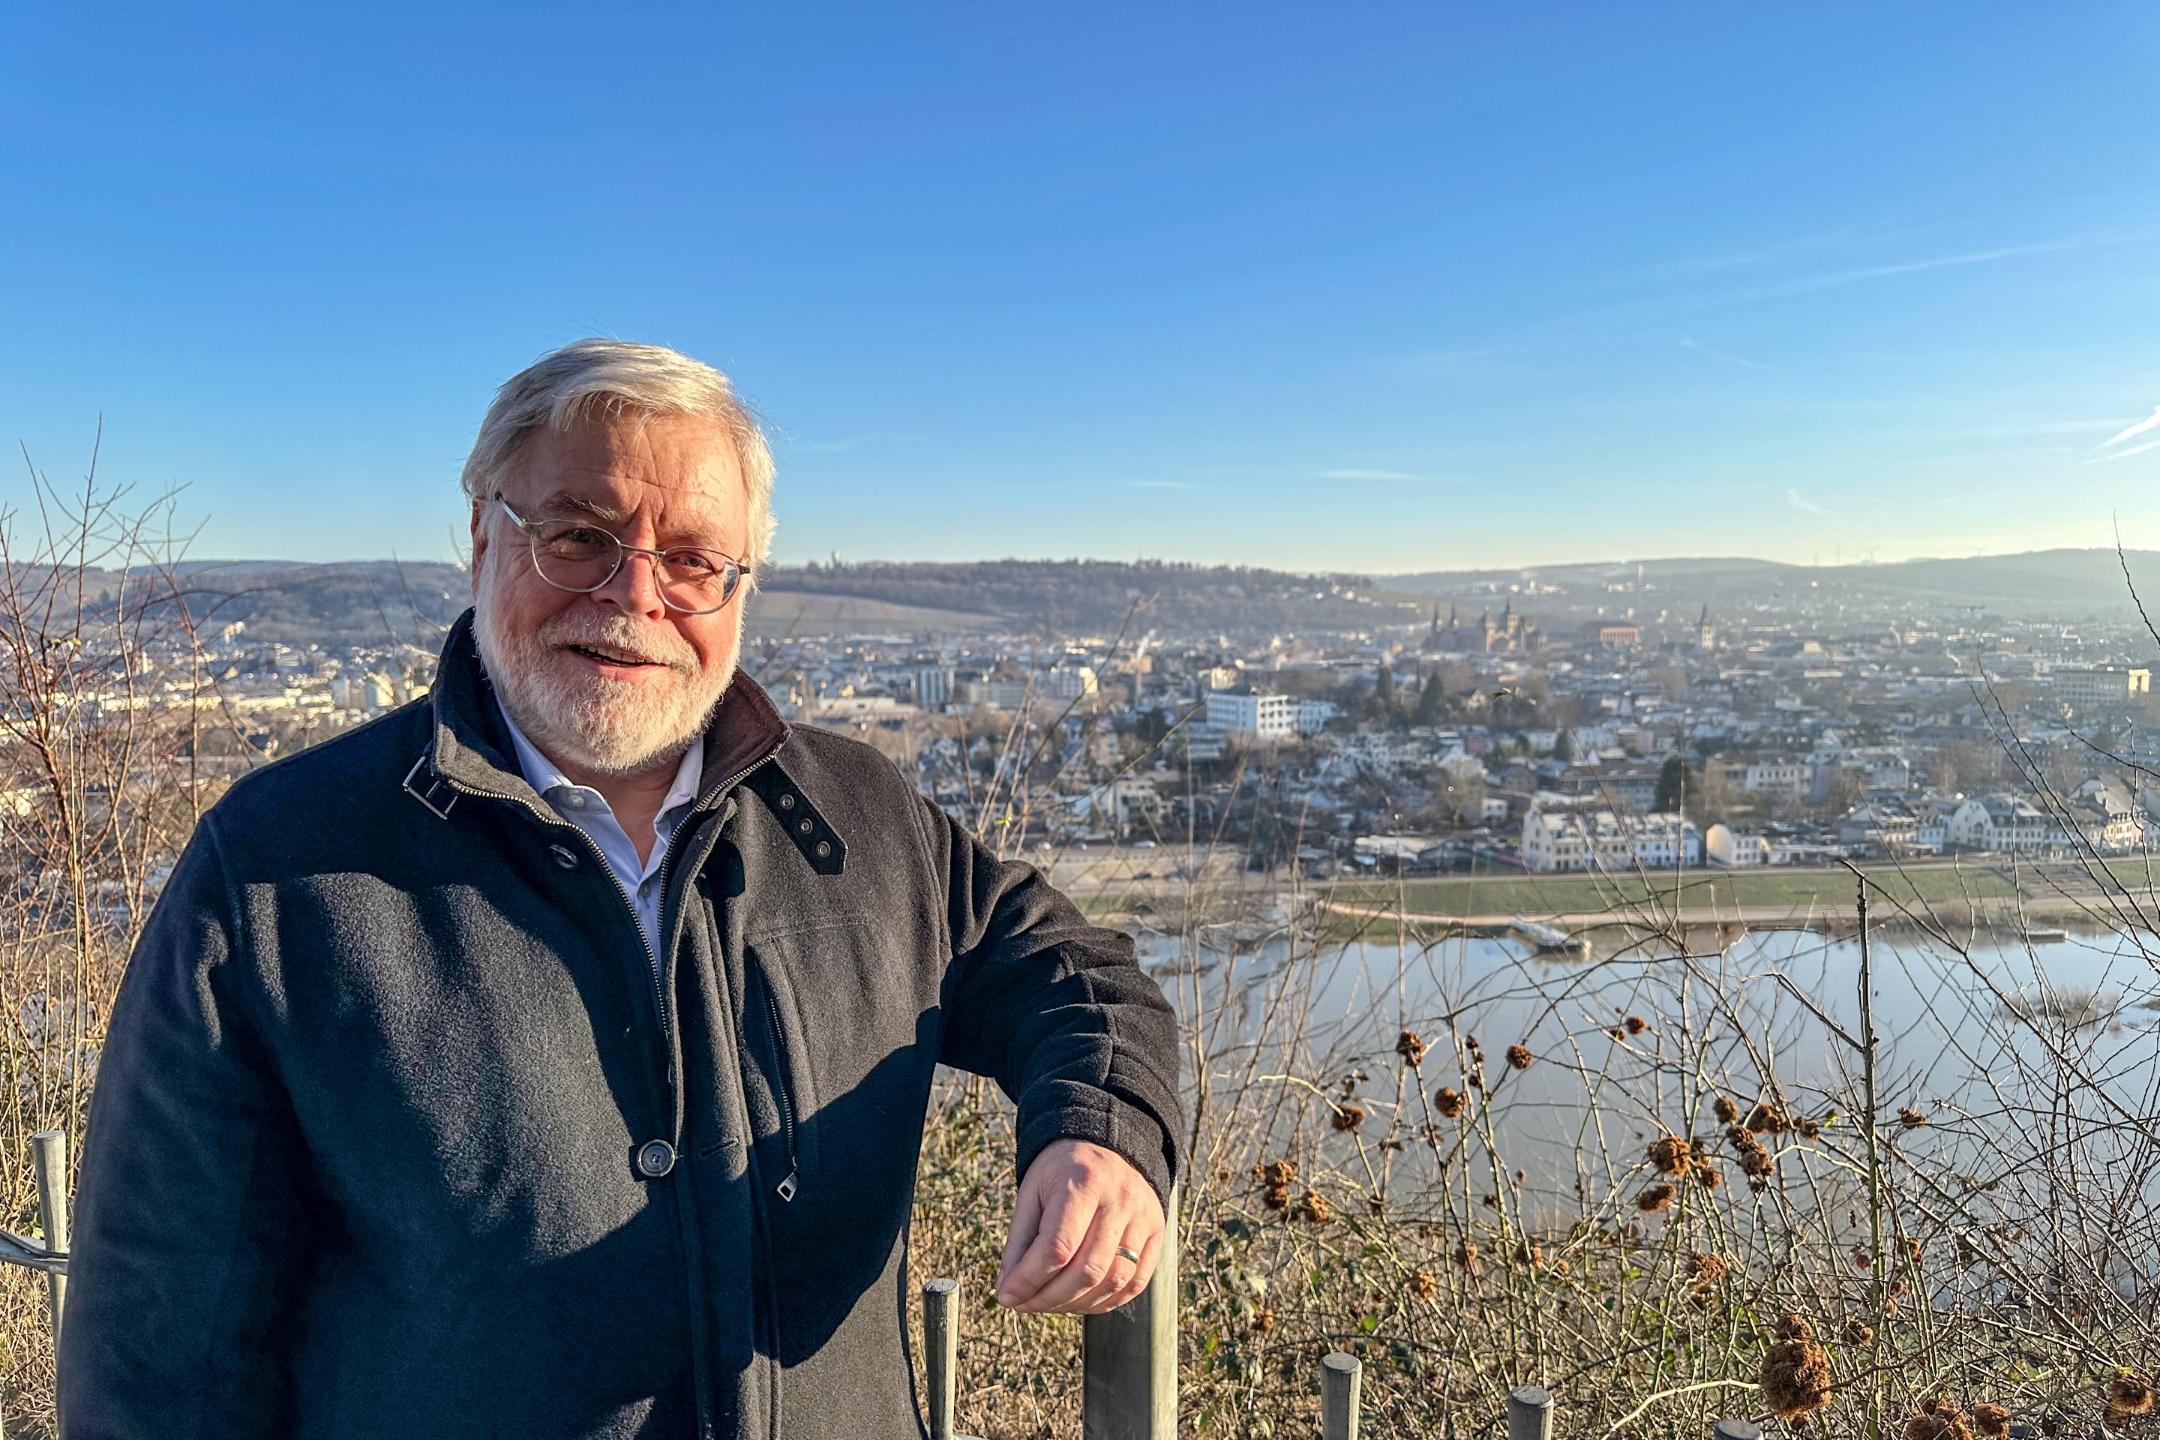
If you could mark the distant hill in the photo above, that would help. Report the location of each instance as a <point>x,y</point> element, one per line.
<point>2068,583</point>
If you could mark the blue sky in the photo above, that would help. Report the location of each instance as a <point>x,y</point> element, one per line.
<point>1369,287</point>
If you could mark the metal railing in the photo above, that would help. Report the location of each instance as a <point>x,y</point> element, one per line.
<point>49,1163</point>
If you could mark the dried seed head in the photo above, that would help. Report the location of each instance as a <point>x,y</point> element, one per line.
<point>1636,1025</point>
<point>1450,1102</point>
<point>1708,1178</point>
<point>1795,1375</point>
<point>1766,1119</point>
<point>1809,1129</point>
<point>2130,1394</point>
<point>1657,1197</point>
<point>1670,1155</point>
<point>1726,1112</point>
<point>1529,1254</point>
<point>1465,1255</point>
<point>1858,1333</point>
<point>1313,1206</point>
<point>1263,1320</point>
<point>1992,1421</point>
<point>1348,1116</point>
<point>1424,1284</point>
<point>1276,1172</point>
<point>1276,1197</point>
<point>1411,1047</point>
<point>1910,1119</point>
<point>1938,1419</point>
<point>1519,1057</point>
<point>1706,1269</point>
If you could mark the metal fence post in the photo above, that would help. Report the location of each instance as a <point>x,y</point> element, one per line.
<point>941,1351</point>
<point>1530,1413</point>
<point>1128,1358</point>
<point>49,1159</point>
<point>1735,1430</point>
<point>1340,1375</point>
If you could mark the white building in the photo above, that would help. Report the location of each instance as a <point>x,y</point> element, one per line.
<point>1313,715</point>
<point>1559,836</point>
<point>2083,689</point>
<point>1252,715</point>
<point>2006,823</point>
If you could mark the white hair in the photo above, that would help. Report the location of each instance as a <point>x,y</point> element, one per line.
<point>593,377</point>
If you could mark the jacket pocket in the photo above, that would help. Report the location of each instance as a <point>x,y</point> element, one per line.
<point>785,1063</point>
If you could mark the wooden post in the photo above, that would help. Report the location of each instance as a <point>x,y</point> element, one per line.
<point>941,1351</point>
<point>1530,1413</point>
<point>1128,1358</point>
<point>49,1159</point>
<point>1339,1385</point>
<point>1735,1430</point>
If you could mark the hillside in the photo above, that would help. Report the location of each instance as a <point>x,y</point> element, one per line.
<point>2066,583</point>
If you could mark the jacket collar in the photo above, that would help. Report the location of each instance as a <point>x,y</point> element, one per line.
<point>471,745</point>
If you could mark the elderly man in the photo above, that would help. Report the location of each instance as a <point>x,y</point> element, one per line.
<point>549,1058</point>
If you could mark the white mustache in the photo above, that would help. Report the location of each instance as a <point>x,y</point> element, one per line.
<point>616,634</point>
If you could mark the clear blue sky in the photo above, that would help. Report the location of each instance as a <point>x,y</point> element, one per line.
<point>1369,287</point>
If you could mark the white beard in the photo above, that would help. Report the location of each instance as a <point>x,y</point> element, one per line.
<point>591,722</point>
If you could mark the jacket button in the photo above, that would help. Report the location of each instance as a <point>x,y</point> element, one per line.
<point>564,856</point>
<point>655,1158</point>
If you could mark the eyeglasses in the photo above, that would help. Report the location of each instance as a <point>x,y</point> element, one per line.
<point>579,557</point>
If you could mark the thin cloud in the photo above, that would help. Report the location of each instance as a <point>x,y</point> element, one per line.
<point>1402,476</point>
<point>2150,422</point>
<point>1801,502</point>
<point>2126,454</point>
<point>1946,262</point>
<point>1716,354</point>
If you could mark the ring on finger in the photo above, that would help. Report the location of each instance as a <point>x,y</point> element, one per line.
<point>1129,1253</point>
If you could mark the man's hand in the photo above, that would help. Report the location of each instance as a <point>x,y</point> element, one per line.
<point>1080,1203</point>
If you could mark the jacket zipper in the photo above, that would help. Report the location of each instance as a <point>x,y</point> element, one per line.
<point>787,1188</point>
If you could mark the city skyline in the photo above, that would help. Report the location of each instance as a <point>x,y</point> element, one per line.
<point>1421,291</point>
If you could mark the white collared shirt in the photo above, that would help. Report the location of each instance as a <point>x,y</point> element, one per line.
<point>589,810</point>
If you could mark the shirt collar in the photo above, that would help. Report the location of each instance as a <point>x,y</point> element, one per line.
<point>545,775</point>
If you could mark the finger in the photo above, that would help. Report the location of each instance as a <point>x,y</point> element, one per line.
<point>1058,1236</point>
<point>1083,1275</point>
<point>1148,1241</point>
<point>1027,1215</point>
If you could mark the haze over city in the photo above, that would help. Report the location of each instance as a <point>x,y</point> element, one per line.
<point>1422,288</point>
